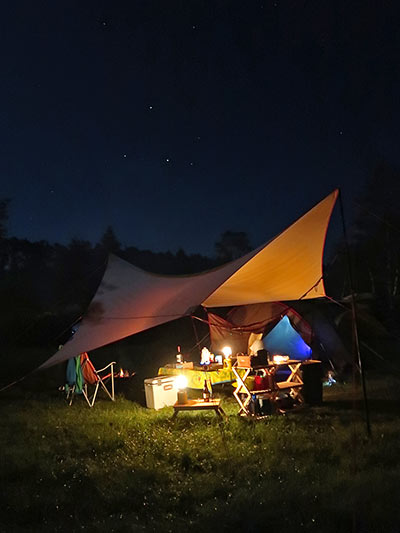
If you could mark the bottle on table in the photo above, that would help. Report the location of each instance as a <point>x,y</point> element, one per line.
<point>179,356</point>
<point>206,392</point>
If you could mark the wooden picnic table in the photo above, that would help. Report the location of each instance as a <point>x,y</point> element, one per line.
<point>199,405</point>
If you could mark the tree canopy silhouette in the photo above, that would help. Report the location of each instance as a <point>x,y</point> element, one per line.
<point>109,241</point>
<point>232,244</point>
<point>4,203</point>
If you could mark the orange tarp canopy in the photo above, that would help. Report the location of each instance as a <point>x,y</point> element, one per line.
<point>130,300</point>
<point>287,268</point>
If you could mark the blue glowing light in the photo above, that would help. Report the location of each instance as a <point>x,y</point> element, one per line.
<point>284,339</point>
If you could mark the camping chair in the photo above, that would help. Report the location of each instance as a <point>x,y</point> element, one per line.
<point>82,375</point>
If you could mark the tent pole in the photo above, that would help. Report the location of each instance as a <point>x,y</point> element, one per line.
<point>354,319</point>
<point>195,334</point>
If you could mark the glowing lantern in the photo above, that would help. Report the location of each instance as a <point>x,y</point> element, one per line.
<point>181,384</point>
<point>280,359</point>
<point>205,356</point>
<point>227,351</point>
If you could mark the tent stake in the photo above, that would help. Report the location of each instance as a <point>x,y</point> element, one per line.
<point>354,319</point>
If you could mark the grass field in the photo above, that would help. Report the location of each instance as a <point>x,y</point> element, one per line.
<point>122,467</point>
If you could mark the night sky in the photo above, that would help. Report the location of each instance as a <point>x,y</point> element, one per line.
<point>175,121</point>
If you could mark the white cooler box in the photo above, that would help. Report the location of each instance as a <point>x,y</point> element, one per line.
<point>160,391</point>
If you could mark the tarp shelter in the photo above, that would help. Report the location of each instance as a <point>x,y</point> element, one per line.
<point>130,300</point>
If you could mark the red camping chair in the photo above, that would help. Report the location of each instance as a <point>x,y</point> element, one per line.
<point>83,378</point>
<point>96,379</point>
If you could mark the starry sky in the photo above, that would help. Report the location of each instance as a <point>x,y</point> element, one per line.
<point>174,121</point>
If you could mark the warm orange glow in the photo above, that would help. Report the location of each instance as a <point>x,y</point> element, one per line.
<point>227,351</point>
<point>280,359</point>
<point>288,267</point>
<point>121,373</point>
<point>181,382</point>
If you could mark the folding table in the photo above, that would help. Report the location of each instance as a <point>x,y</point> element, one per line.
<point>292,386</point>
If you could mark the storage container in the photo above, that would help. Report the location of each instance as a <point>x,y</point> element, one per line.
<point>160,391</point>
<point>244,361</point>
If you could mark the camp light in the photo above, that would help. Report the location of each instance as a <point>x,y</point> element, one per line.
<point>227,351</point>
<point>181,384</point>
<point>280,359</point>
<point>205,356</point>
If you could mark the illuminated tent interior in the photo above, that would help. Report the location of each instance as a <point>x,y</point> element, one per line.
<point>284,339</point>
<point>299,329</point>
<point>130,300</point>
<point>244,323</point>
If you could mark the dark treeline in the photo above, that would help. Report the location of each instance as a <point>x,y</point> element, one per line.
<point>45,287</point>
<point>374,242</point>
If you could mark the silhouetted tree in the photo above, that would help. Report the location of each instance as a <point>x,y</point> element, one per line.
<point>375,245</point>
<point>3,233</point>
<point>232,244</point>
<point>377,234</point>
<point>109,241</point>
<point>75,274</point>
<point>4,203</point>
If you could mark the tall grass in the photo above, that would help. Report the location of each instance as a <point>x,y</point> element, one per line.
<point>122,467</point>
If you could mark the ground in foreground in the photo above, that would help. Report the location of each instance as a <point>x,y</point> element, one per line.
<point>121,467</point>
